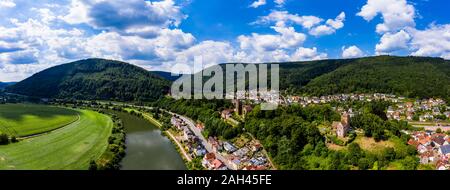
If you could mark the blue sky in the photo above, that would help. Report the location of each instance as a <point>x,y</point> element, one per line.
<point>170,34</point>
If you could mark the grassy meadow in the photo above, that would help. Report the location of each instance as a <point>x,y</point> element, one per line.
<point>22,120</point>
<point>71,147</point>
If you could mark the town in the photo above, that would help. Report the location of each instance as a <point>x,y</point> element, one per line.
<point>433,148</point>
<point>431,117</point>
<point>244,154</point>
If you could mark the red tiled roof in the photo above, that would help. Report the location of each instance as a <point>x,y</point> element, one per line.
<point>217,163</point>
<point>210,156</point>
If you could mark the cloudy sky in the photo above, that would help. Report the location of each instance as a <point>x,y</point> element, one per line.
<point>162,34</point>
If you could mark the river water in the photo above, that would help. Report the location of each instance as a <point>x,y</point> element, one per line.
<point>147,148</point>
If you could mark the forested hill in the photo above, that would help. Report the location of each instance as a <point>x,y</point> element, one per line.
<point>113,80</point>
<point>407,76</point>
<point>94,79</point>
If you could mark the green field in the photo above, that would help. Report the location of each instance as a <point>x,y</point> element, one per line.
<point>29,119</point>
<point>68,148</point>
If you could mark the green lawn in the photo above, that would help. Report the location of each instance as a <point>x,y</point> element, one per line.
<point>28,119</point>
<point>67,148</point>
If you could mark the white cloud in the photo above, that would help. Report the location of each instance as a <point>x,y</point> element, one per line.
<point>283,18</point>
<point>11,73</point>
<point>162,48</point>
<point>434,41</point>
<point>311,23</point>
<point>7,3</point>
<point>305,54</point>
<point>142,17</point>
<point>322,30</point>
<point>78,13</point>
<point>287,38</point>
<point>397,14</point>
<point>338,22</point>
<point>210,52</point>
<point>391,42</point>
<point>352,52</point>
<point>280,2</point>
<point>329,27</point>
<point>258,3</point>
<point>140,33</point>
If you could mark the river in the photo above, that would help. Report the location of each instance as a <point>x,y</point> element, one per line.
<point>147,148</point>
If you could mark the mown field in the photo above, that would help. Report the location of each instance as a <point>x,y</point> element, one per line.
<point>29,119</point>
<point>68,148</point>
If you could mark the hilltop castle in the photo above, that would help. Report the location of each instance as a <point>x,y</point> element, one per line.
<point>343,126</point>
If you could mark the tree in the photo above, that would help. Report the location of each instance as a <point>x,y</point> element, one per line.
<point>438,130</point>
<point>93,165</point>
<point>4,139</point>
<point>354,153</point>
<point>363,164</point>
<point>14,139</point>
<point>389,153</point>
<point>410,163</point>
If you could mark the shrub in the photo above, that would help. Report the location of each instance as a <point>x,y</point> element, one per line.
<point>14,139</point>
<point>4,139</point>
<point>93,165</point>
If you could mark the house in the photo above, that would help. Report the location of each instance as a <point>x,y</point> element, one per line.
<point>247,109</point>
<point>445,150</point>
<point>200,126</point>
<point>424,159</point>
<point>208,160</point>
<point>396,115</point>
<point>438,141</point>
<point>235,163</point>
<point>447,114</point>
<point>421,148</point>
<point>256,147</point>
<point>216,145</point>
<point>200,151</point>
<point>226,114</point>
<point>241,152</point>
<point>210,157</point>
<point>258,161</point>
<point>229,147</point>
<point>217,164</point>
<point>409,115</point>
<point>187,134</point>
<point>409,104</point>
<point>342,127</point>
<point>295,98</point>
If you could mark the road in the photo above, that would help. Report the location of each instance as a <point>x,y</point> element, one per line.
<point>434,128</point>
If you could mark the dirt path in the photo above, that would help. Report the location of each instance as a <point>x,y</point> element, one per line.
<point>188,158</point>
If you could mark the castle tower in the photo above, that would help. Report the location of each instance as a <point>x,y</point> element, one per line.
<point>237,106</point>
<point>345,119</point>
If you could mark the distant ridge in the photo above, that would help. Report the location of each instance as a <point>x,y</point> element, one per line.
<point>418,77</point>
<point>166,75</point>
<point>5,84</point>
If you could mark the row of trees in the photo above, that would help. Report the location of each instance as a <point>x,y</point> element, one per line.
<point>111,158</point>
<point>5,139</point>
